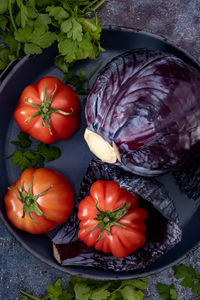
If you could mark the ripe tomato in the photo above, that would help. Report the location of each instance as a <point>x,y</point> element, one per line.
<point>39,200</point>
<point>111,219</point>
<point>48,110</point>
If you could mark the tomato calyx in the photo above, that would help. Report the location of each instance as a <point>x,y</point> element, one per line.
<point>29,200</point>
<point>45,109</point>
<point>106,219</point>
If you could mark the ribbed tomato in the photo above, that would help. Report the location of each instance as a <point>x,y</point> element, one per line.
<point>111,219</point>
<point>39,200</point>
<point>48,110</point>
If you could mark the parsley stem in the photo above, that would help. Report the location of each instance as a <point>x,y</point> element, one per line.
<point>94,71</point>
<point>89,5</point>
<point>92,3</point>
<point>11,15</point>
<point>99,4</point>
<point>30,296</point>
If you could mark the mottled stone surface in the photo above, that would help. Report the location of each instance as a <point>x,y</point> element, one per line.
<point>176,20</point>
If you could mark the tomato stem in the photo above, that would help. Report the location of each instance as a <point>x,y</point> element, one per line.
<point>29,200</point>
<point>45,109</point>
<point>107,219</point>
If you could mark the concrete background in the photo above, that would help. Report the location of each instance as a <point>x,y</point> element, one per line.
<point>176,20</point>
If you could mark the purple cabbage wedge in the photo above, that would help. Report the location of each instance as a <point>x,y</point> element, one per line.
<point>143,112</point>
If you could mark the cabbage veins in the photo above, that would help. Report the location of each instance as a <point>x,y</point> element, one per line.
<point>143,112</point>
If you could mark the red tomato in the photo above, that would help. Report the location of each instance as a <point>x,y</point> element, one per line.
<point>111,219</point>
<point>48,110</point>
<point>39,200</point>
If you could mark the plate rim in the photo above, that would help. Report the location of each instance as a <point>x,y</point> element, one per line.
<point>70,269</point>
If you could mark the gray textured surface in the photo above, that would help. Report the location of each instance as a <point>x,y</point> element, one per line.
<point>176,20</point>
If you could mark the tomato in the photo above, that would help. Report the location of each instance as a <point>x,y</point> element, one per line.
<point>39,200</point>
<point>111,219</point>
<point>48,110</point>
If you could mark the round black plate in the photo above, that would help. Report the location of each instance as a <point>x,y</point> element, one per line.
<point>75,154</point>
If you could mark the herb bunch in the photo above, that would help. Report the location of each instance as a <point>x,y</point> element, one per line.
<point>85,289</point>
<point>188,277</point>
<point>25,157</point>
<point>29,26</point>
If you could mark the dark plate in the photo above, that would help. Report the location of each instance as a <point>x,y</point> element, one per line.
<point>75,154</point>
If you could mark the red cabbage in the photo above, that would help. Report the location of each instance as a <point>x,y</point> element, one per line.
<point>143,112</point>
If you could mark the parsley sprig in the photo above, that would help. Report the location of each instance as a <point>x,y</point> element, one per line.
<point>85,289</point>
<point>27,27</point>
<point>189,278</point>
<point>80,82</point>
<point>28,158</point>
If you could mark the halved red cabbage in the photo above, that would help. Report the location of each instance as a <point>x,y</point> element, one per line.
<point>143,112</point>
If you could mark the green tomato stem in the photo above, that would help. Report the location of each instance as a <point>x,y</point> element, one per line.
<point>45,109</point>
<point>29,200</point>
<point>107,219</point>
<point>11,15</point>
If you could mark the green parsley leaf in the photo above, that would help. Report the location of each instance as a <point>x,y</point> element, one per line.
<point>182,271</point>
<point>173,294</point>
<point>86,289</point>
<point>24,15</point>
<point>191,278</point>
<point>23,159</point>
<point>43,20</point>
<point>80,82</point>
<point>56,292</point>
<point>23,34</point>
<point>48,152</point>
<point>3,22</point>
<point>129,293</point>
<point>4,58</point>
<point>30,48</point>
<point>27,159</point>
<point>31,3</point>
<point>88,24</point>
<point>136,283</point>
<point>101,293</point>
<point>32,158</point>
<point>35,38</point>
<point>3,6</point>
<point>196,288</point>
<point>167,292</point>
<point>75,32</point>
<point>188,282</point>
<point>62,64</point>
<point>12,44</point>
<point>66,26</point>
<point>43,38</point>
<point>58,12</point>
<point>82,291</point>
<point>23,140</point>
<point>67,48</point>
